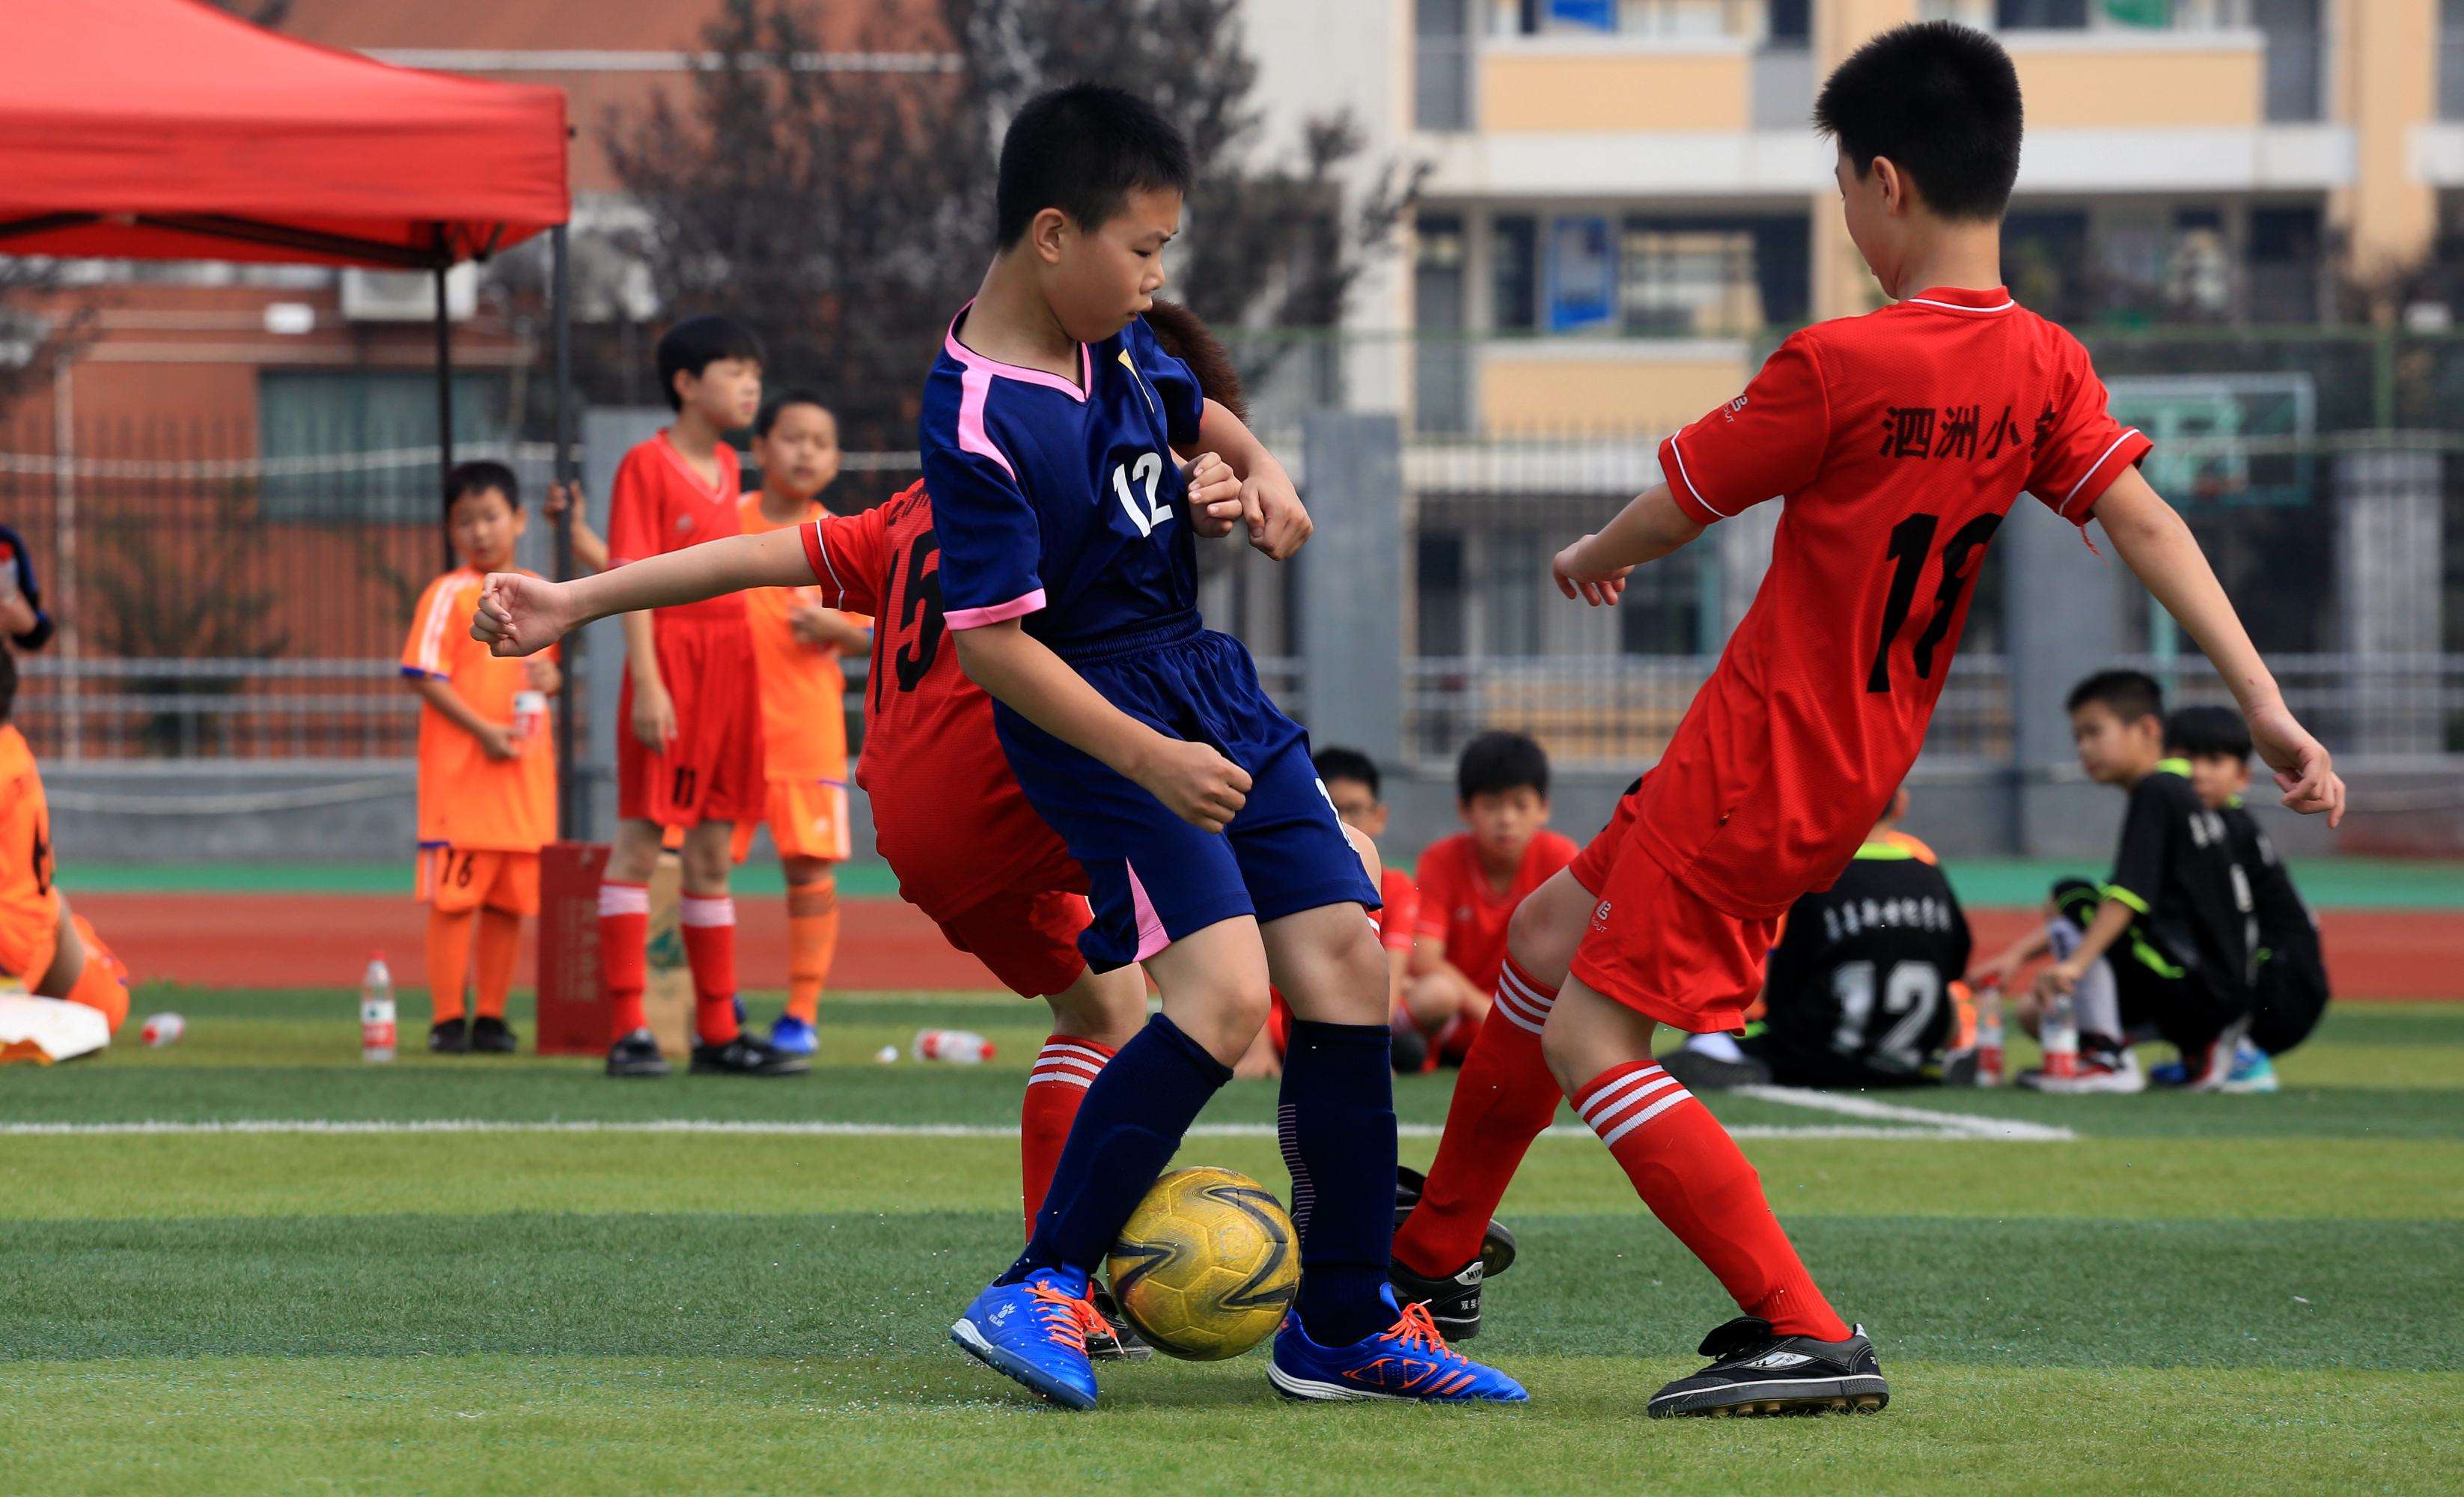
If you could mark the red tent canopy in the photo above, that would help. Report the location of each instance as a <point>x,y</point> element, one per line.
<point>166,129</point>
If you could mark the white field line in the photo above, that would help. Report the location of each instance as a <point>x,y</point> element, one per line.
<point>1956,1125</point>
<point>346,1126</point>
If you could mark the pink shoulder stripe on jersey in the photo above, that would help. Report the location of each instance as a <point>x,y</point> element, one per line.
<point>994,613</point>
<point>1152,937</point>
<point>973,387</point>
<point>817,556</point>
<point>976,362</point>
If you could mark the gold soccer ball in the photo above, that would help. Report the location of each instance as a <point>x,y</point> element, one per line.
<point>1207,1265</point>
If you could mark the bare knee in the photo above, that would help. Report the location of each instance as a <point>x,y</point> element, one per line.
<point>635,852</point>
<point>1335,973</point>
<point>807,871</point>
<point>1547,927</point>
<point>1106,1008</point>
<point>1432,999</point>
<point>707,857</point>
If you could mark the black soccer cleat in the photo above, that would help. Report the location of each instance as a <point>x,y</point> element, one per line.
<point>746,1056</point>
<point>1697,1072</point>
<point>451,1037</point>
<point>636,1054</point>
<point>1453,1303</point>
<point>1496,1244</point>
<point>1756,1372</point>
<point>490,1035</point>
<point>1109,1335</point>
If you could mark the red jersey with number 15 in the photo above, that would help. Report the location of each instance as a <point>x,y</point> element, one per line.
<point>947,812</point>
<point>1897,441</point>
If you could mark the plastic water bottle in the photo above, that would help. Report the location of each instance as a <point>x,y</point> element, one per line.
<point>529,715</point>
<point>1988,1037</point>
<point>958,1046</point>
<point>164,1030</point>
<point>377,1033</point>
<point>2059,1036</point>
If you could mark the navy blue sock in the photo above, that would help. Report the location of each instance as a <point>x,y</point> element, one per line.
<point>1337,1124</point>
<point>1126,1128</point>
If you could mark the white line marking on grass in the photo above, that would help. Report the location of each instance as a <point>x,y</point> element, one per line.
<point>1945,1126</point>
<point>1948,1125</point>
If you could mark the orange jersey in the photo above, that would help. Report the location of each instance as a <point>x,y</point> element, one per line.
<point>1460,910</point>
<point>466,799</point>
<point>659,504</point>
<point>28,905</point>
<point>803,688</point>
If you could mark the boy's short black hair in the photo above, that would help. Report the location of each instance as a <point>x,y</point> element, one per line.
<point>2206,732</point>
<point>698,342</point>
<point>1185,335</point>
<point>479,476</point>
<point>794,395</point>
<point>1084,150</point>
<point>2129,695</point>
<point>1346,763</point>
<point>1497,761</point>
<point>1941,101</point>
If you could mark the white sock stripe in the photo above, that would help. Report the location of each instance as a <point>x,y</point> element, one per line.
<point>624,899</point>
<point>1055,1050</point>
<point>1530,996</point>
<point>1041,1076</point>
<point>1519,1007</point>
<point>1681,1094</point>
<point>1080,1064</point>
<point>1604,1117</point>
<point>693,911</point>
<point>1517,1020</point>
<point>1616,1088</point>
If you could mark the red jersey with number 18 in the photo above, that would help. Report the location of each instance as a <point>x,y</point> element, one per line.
<point>947,812</point>
<point>1896,441</point>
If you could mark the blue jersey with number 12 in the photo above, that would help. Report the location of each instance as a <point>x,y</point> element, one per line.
<point>1057,501</point>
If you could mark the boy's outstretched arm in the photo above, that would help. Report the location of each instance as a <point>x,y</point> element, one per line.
<point>1192,779</point>
<point>1594,568</point>
<point>2161,550</point>
<point>520,615</point>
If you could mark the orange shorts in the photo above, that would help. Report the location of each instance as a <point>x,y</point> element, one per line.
<point>455,879</point>
<point>1658,947</point>
<point>712,771</point>
<point>27,951</point>
<point>807,818</point>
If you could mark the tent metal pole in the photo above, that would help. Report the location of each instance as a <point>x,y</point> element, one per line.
<point>444,409</point>
<point>572,811</point>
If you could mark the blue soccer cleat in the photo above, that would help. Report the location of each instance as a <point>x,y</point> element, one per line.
<point>1408,1361</point>
<point>2169,1073</point>
<point>2252,1071</point>
<point>792,1036</point>
<point>1035,1332</point>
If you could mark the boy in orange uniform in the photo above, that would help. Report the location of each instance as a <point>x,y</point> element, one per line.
<point>796,647</point>
<point>688,755</point>
<point>487,771</point>
<point>55,953</point>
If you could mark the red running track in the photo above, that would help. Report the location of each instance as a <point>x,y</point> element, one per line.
<point>323,940</point>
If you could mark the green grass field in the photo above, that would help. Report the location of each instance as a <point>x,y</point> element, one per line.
<point>514,1276</point>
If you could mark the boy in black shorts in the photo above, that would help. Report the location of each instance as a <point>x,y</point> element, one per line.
<point>2164,948</point>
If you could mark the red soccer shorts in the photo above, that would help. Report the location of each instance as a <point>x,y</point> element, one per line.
<point>712,771</point>
<point>1656,946</point>
<point>1027,933</point>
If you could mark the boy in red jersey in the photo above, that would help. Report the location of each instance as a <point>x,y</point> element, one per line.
<point>690,755</point>
<point>1471,882</point>
<point>1898,440</point>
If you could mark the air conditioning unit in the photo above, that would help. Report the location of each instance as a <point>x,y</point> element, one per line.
<point>408,295</point>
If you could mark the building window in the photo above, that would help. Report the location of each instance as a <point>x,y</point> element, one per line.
<point>2285,264</point>
<point>1627,18</point>
<point>379,430</point>
<point>1581,273</point>
<point>1686,282</point>
<point>1515,273</point>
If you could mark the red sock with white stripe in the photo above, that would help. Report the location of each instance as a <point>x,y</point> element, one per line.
<point>1693,1177</point>
<point>1503,1099</point>
<point>1054,1088</point>
<point>624,955</point>
<point>709,949</point>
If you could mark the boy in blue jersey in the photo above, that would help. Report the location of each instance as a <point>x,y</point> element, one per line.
<point>1069,582</point>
